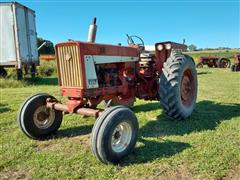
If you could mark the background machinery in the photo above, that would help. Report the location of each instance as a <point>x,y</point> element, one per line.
<point>236,66</point>
<point>214,61</point>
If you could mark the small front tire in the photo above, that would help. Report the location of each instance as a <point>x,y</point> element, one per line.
<point>114,134</point>
<point>36,120</point>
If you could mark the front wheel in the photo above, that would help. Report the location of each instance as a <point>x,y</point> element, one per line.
<point>114,134</point>
<point>36,120</point>
<point>178,86</point>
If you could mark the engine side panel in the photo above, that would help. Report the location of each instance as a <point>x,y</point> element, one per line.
<point>99,68</point>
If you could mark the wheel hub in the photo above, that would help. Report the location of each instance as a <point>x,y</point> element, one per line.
<point>43,117</point>
<point>121,137</point>
<point>187,88</point>
<point>224,63</point>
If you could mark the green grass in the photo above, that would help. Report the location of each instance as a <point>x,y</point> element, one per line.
<point>46,69</point>
<point>205,146</point>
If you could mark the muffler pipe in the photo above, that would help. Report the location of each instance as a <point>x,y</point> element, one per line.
<point>92,31</point>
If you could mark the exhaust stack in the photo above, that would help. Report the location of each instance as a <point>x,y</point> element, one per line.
<point>92,31</point>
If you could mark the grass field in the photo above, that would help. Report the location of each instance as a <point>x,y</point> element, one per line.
<point>205,146</point>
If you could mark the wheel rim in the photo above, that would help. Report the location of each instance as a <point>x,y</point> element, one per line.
<point>121,137</point>
<point>43,117</point>
<point>224,63</point>
<point>187,88</point>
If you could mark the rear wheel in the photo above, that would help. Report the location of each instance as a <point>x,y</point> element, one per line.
<point>114,134</point>
<point>3,72</point>
<point>233,67</point>
<point>224,63</point>
<point>199,65</point>
<point>178,86</point>
<point>36,120</point>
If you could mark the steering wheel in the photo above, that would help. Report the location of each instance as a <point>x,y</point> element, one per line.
<point>130,40</point>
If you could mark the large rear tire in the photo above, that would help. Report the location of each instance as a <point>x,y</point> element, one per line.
<point>114,134</point>
<point>178,86</point>
<point>224,63</point>
<point>36,120</point>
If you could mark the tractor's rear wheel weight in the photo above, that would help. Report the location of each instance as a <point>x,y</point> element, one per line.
<point>178,86</point>
<point>36,120</point>
<point>224,63</point>
<point>114,134</point>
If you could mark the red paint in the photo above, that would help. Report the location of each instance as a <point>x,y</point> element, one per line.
<point>125,80</point>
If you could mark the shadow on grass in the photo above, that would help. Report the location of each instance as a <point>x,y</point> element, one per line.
<point>206,116</point>
<point>42,81</point>
<point>4,108</point>
<point>151,106</point>
<point>152,150</point>
<point>203,73</point>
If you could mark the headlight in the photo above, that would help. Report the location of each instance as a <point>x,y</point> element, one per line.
<point>160,47</point>
<point>168,46</point>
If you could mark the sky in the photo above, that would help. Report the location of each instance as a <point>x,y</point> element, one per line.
<point>206,23</point>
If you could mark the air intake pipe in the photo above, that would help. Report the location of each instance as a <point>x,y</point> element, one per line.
<point>92,31</point>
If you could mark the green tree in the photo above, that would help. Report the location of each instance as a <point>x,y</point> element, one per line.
<point>47,48</point>
<point>192,47</point>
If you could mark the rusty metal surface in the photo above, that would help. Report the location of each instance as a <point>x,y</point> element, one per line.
<point>64,108</point>
<point>88,112</point>
<point>57,106</point>
<point>187,88</point>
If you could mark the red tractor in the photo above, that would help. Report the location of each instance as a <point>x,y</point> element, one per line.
<point>236,66</point>
<point>90,73</point>
<point>214,61</point>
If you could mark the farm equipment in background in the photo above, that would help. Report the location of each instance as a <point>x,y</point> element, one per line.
<point>236,66</point>
<point>91,73</point>
<point>214,61</point>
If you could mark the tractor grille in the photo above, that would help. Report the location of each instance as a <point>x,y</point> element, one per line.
<point>69,66</point>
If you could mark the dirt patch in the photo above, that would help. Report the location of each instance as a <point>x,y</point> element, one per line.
<point>15,174</point>
<point>159,173</point>
<point>233,174</point>
<point>58,145</point>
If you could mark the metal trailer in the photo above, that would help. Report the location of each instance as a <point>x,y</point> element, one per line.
<point>18,38</point>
